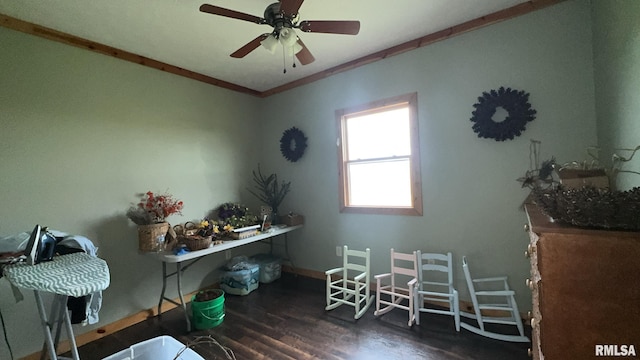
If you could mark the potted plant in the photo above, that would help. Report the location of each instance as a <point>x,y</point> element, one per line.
<point>270,191</point>
<point>236,215</point>
<point>150,215</point>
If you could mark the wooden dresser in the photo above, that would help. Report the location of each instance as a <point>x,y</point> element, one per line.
<point>585,286</point>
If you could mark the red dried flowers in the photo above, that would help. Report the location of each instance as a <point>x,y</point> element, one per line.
<point>154,208</point>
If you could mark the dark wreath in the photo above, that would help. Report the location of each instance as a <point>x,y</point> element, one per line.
<point>515,102</point>
<point>292,144</point>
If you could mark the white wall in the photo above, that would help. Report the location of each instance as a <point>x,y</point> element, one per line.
<point>82,134</point>
<point>616,42</point>
<point>471,196</point>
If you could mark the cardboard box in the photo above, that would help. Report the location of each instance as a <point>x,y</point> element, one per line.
<point>292,219</point>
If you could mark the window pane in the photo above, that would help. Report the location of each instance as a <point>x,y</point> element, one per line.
<point>385,183</point>
<point>379,135</point>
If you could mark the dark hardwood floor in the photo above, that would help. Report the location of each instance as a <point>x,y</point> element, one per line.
<point>286,320</point>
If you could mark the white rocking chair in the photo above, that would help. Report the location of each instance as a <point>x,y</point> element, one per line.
<point>353,284</point>
<point>398,293</point>
<point>508,304</point>
<point>435,284</point>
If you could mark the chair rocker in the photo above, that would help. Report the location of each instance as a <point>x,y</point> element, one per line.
<point>435,284</point>
<point>502,300</point>
<point>398,274</point>
<point>351,285</point>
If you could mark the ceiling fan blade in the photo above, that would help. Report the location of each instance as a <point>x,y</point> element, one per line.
<point>331,27</point>
<point>249,47</point>
<point>304,55</point>
<point>290,7</point>
<point>215,10</point>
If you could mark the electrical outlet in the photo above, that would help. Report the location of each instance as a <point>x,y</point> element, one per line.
<point>227,254</point>
<point>338,250</point>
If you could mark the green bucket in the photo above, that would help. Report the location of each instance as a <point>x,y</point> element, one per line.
<point>210,313</point>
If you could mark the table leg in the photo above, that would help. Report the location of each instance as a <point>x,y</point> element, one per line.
<point>184,306</point>
<point>164,287</point>
<point>286,250</point>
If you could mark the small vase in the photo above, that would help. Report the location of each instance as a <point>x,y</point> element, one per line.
<point>274,217</point>
<point>151,238</point>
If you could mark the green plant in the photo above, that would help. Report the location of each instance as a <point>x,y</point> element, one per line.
<point>269,190</point>
<point>236,215</point>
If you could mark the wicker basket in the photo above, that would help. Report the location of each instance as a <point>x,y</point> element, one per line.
<point>195,242</point>
<point>152,237</point>
<point>188,229</point>
<point>592,207</point>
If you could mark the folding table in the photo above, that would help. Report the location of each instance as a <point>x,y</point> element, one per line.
<point>194,256</point>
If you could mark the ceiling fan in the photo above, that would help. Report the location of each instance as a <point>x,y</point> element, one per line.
<point>283,17</point>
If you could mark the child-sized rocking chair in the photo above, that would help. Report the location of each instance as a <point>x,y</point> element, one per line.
<point>508,304</point>
<point>353,284</point>
<point>402,266</point>
<point>435,284</point>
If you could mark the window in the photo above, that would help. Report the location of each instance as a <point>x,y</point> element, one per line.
<point>379,157</point>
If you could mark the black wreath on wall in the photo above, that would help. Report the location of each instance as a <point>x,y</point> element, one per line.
<point>292,144</point>
<point>515,102</point>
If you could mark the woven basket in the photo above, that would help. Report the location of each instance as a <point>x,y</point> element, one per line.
<point>195,242</point>
<point>151,237</point>
<point>592,207</point>
<point>188,229</point>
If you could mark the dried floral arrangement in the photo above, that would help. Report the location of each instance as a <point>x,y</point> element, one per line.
<point>585,206</point>
<point>154,208</point>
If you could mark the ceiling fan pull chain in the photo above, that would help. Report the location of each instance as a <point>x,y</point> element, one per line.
<point>284,64</point>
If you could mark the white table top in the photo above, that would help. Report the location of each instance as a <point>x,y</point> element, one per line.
<point>76,274</point>
<point>169,257</point>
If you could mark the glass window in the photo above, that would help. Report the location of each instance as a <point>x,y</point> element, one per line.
<point>379,162</point>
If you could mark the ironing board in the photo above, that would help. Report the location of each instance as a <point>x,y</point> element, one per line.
<point>76,275</point>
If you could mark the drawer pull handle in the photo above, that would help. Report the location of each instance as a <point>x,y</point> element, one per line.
<point>529,283</point>
<point>529,251</point>
<point>526,227</point>
<point>533,323</point>
<point>529,315</point>
<point>529,352</point>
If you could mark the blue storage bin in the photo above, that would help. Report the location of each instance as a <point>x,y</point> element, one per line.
<point>240,277</point>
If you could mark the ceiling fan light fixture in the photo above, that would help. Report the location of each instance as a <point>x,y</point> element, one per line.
<point>288,37</point>
<point>270,43</point>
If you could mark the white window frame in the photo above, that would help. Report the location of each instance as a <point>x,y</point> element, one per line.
<point>342,115</point>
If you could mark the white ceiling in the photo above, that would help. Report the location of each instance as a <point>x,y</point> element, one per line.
<point>177,33</point>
